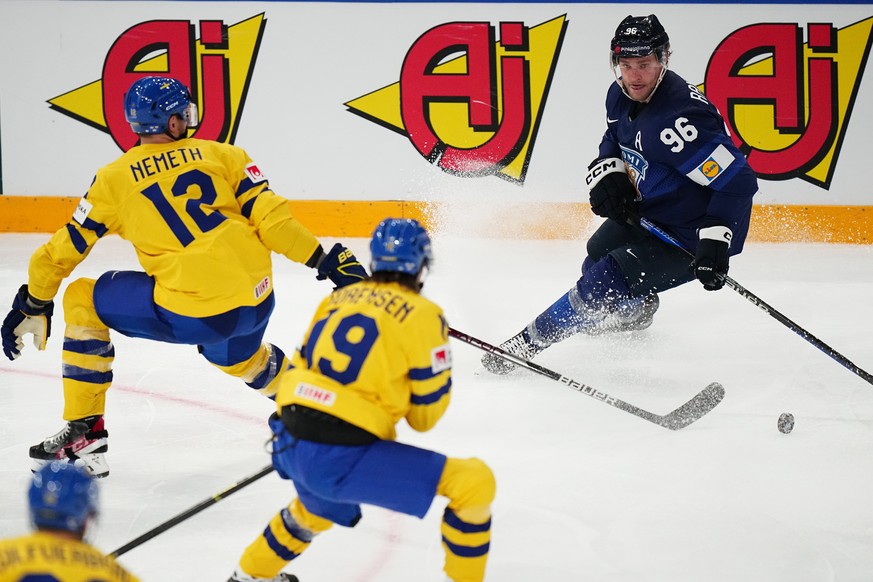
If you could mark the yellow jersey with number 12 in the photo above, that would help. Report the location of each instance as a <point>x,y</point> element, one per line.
<point>201,217</point>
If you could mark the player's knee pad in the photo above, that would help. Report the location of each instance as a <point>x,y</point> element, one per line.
<point>79,310</point>
<point>470,486</point>
<point>602,283</point>
<point>262,370</point>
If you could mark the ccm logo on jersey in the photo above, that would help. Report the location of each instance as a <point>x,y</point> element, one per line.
<point>83,209</point>
<point>440,359</point>
<point>254,173</point>
<point>315,394</point>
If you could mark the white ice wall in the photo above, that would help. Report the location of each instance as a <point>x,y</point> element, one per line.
<point>314,57</point>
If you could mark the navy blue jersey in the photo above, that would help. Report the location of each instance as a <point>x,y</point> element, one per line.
<point>682,160</point>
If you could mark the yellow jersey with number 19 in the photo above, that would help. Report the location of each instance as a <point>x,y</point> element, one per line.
<point>374,353</point>
<point>201,217</point>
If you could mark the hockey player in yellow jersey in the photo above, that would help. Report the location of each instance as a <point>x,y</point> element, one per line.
<point>63,500</point>
<point>375,353</point>
<point>204,223</point>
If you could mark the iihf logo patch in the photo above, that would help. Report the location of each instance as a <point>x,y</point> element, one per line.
<point>262,287</point>
<point>317,394</point>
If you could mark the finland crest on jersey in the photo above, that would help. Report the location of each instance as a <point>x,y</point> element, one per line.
<point>636,165</point>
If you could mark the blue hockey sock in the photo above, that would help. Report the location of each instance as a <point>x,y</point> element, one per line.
<point>601,287</point>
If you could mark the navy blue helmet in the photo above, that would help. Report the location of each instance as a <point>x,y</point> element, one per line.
<point>639,36</point>
<point>400,245</point>
<point>152,101</point>
<point>62,496</point>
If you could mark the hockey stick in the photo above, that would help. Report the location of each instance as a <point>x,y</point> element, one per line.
<point>693,410</point>
<point>763,306</point>
<point>190,512</point>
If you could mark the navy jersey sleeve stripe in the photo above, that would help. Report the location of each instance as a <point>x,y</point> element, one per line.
<point>422,373</point>
<point>434,396</point>
<point>77,239</point>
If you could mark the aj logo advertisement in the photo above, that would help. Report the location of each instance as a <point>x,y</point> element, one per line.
<point>470,95</point>
<point>788,102</point>
<point>217,67</point>
<point>469,103</point>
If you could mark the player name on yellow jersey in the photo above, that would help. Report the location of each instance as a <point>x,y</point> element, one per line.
<point>152,165</point>
<point>49,557</point>
<point>388,300</point>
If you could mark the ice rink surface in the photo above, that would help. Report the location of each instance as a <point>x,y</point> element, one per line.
<point>586,492</point>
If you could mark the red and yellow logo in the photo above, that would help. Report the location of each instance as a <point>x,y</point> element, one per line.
<point>468,103</point>
<point>788,103</point>
<point>217,68</point>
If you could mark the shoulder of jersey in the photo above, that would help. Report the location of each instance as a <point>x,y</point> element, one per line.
<point>422,305</point>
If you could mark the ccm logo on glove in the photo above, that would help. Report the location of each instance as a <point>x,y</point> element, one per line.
<point>712,260</point>
<point>612,194</point>
<point>600,168</point>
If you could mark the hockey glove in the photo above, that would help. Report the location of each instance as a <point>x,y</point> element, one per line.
<point>28,315</point>
<point>711,262</point>
<point>612,194</point>
<point>341,267</point>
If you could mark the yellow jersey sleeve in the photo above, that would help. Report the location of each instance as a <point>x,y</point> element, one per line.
<point>56,259</point>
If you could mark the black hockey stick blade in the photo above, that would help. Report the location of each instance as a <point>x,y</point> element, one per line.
<point>691,411</point>
<point>154,532</point>
<point>763,306</point>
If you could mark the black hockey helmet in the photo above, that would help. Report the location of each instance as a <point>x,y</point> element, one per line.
<point>640,36</point>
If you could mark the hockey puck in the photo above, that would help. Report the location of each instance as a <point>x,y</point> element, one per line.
<point>785,423</point>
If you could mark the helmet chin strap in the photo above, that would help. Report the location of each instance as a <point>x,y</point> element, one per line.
<point>664,62</point>
<point>422,275</point>
<point>175,138</point>
<point>657,83</point>
<point>182,135</point>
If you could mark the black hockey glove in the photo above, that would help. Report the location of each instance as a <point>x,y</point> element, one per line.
<point>711,261</point>
<point>612,194</point>
<point>28,315</point>
<point>340,266</point>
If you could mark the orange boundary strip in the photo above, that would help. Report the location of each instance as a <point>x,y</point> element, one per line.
<point>770,223</point>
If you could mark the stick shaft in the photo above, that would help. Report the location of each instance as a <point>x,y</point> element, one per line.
<point>154,532</point>
<point>766,308</point>
<point>689,412</point>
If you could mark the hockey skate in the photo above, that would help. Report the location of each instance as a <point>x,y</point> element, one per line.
<point>517,345</point>
<point>240,576</point>
<point>82,442</point>
<point>640,318</point>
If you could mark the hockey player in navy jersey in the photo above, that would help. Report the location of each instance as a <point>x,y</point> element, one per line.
<point>666,156</point>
